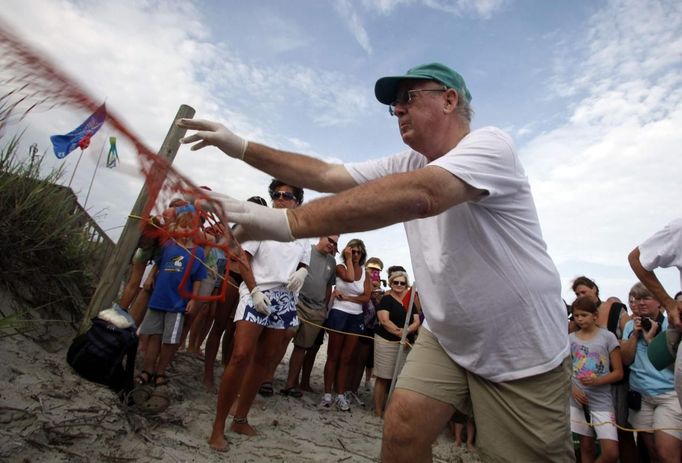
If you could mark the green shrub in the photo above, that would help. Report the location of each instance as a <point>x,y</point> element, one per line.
<point>43,248</point>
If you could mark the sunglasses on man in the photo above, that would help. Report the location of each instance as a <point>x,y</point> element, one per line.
<point>282,195</point>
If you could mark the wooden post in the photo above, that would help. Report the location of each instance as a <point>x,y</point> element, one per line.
<point>110,281</point>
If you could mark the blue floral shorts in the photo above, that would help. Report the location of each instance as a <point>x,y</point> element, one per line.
<point>283,305</point>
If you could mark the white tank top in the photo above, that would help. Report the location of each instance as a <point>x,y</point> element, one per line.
<point>353,288</point>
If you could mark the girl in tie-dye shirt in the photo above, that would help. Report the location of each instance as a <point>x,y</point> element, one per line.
<point>597,364</point>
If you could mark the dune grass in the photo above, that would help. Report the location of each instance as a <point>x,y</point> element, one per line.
<point>44,253</point>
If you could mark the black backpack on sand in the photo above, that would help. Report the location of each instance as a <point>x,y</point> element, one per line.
<point>105,354</point>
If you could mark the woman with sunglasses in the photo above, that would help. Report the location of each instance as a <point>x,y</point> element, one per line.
<point>391,314</point>
<point>345,322</point>
<point>265,317</point>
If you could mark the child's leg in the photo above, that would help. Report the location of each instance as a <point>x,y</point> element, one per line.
<point>587,449</point>
<point>471,433</point>
<point>165,356</point>
<point>609,451</point>
<point>457,434</point>
<point>172,329</point>
<point>199,330</point>
<point>151,329</point>
<point>151,355</point>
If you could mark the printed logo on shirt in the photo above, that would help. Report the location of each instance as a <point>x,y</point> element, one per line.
<point>175,264</point>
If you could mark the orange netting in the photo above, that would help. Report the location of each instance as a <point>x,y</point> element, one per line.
<point>29,81</point>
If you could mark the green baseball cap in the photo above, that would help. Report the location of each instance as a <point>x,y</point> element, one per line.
<point>386,88</point>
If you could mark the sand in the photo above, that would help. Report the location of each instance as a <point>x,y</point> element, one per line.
<point>49,414</point>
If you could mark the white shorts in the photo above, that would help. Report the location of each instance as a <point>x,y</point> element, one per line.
<point>659,412</point>
<point>603,424</point>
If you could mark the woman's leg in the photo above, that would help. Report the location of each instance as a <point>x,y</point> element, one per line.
<point>246,339</point>
<point>345,361</point>
<point>380,392</point>
<point>333,355</point>
<point>268,352</point>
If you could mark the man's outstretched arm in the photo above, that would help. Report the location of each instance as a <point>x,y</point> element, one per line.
<point>292,168</point>
<point>392,199</point>
<point>653,284</point>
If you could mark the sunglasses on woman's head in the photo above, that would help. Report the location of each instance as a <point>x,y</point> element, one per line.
<point>282,195</point>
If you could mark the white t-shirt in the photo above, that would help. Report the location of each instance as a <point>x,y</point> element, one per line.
<point>273,262</point>
<point>663,249</point>
<point>490,292</point>
<point>350,288</point>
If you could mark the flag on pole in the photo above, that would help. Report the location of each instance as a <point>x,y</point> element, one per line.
<point>112,157</point>
<point>79,137</point>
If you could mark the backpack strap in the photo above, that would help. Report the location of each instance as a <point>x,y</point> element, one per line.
<point>614,316</point>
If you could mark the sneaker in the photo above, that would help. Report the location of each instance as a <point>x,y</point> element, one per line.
<point>326,402</point>
<point>341,403</point>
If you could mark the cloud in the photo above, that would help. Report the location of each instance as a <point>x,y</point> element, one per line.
<point>481,8</point>
<point>608,176</point>
<point>349,14</point>
<point>476,8</point>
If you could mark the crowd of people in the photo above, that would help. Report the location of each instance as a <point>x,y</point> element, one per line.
<point>492,339</point>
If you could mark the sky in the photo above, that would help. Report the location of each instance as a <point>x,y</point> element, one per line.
<point>590,91</point>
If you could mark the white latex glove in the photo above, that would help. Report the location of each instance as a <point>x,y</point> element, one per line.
<point>257,223</point>
<point>213,133</point>
<point>260,301</point>
<point>296,280</point>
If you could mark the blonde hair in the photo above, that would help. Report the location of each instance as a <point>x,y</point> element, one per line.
<point>397,274</point>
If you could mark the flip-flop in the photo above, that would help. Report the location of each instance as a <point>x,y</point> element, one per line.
<point>291,392</point>
<point>266,389</point>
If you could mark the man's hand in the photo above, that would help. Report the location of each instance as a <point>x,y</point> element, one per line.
<point>297,279</point>
<point>213,133</point>
<point>674,309</point>
<point>257,223</point>
<point>260,301</point>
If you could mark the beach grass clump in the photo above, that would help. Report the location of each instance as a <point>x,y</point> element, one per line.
<point>42,244</point>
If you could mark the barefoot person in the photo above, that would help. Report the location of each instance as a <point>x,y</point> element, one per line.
<point>495,325</point>
<point>265,313</point>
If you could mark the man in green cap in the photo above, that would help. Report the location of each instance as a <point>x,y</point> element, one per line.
<point>494,340</point>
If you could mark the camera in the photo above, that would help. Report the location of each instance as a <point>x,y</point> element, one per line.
<point>646,323</point>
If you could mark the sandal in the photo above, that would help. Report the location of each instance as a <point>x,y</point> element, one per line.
<point>160,380</point>
<point>266,389</point>
<point>143,378</point>
<point>291,392</point>
<point>158,401</point>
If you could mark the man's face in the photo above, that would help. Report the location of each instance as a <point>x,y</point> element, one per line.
<point>329,244</point>
<point>419,109</point>
<point>283,198</point>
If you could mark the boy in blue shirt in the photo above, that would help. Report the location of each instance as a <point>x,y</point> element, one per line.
<point>167,305</point>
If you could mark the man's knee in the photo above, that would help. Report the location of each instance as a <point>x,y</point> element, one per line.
<point>398,423</point>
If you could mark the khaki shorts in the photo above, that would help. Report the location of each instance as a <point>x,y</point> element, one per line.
<point>523,420</point>
<point>307,332</point>
<point>659,412</point>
